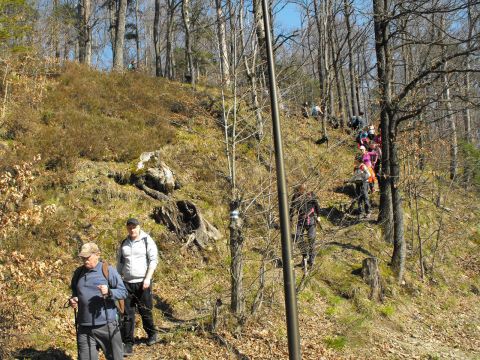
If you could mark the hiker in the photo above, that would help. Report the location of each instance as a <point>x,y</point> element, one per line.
<point>362,138</point>
<point>367,160</point>
<point>94,294</point>
<point>137,259</point>
<point>131,66</point>
<point>371,133</point>
<point>360,180</point>
<point>305,205</point>
<point>305,112</point>
<point>375,152</point>
<point>357,123</point>
<point>316,111</point>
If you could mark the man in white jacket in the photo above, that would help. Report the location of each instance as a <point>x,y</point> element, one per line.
<point>137,259</point>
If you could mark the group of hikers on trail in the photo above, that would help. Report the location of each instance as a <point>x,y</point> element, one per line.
<point>106,297</point>
<point>367,167</point>
<point>367,164</point>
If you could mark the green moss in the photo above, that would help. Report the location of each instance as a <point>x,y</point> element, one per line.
<point>335,342</point>
<point>387,310</point>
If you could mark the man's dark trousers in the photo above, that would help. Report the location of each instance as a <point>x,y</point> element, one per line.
<point>142,299</point>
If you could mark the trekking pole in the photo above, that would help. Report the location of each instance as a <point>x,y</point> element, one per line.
<point>75,319</point>
<point>108,327</point>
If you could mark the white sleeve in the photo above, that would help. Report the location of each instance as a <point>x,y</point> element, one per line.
<point>152,255</point>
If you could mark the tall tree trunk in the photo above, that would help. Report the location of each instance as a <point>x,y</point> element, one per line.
<point>188,42</point>
<point>467,121</point>
<point>338,87</point>
<point>156,40</point>
<point>120,36</point>
<point>321,48</point>
<point>222,44</point>
<point>384,74</point>
<point>112,12</point>
<point>343,83</point>
<point>399,245</point>
<point>252,77</point>
<point>261,36</point>
<point>449,114</point>
<point>55,31</point>
<point>137,35</point>
<point>351,66</point>
<point>169,57</point>
<point>452,129</point>
<point>84,31</point>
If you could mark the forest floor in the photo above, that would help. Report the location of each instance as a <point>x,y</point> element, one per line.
<point>437,318</point>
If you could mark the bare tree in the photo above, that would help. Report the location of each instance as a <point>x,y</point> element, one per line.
<point>119,35</point>
<point>223,52</point>
<point>190,76</point>
<point>156,40</point>
<point>84,8</point>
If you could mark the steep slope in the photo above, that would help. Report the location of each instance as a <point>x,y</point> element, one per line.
<point>91,125</point>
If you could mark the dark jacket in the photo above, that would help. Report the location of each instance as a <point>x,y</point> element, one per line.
<point>306,207</point>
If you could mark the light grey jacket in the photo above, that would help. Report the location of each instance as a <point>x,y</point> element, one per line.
<point>134,260</point>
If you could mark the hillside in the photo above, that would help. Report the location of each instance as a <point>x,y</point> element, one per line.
<point>88,126</point>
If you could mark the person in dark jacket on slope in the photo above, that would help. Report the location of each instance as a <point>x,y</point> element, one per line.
<point>305,205</point>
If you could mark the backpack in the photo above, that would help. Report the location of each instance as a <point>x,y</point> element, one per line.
<point>361,175</point>
<point>315,110</point>
<point>119,304</point>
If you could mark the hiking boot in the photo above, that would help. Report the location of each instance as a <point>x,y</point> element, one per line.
<point>152,339</point>
<point>127,349</point>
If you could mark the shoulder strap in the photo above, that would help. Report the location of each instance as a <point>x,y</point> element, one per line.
<point>121,252</point>
<point>145,240</point>
<point>105,271</point>
<point>119,303</point>
<point>77,275</point>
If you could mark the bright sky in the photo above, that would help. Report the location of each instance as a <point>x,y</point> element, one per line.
<point>289,18</point>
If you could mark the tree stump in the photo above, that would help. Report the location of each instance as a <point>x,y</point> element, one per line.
<point>371,275</point>
<point>151,175</point>
<point>185,220</point>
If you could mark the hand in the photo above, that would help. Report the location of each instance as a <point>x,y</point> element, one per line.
<point>73,302</point>
<point>318,219</point>
<point>103,290</point>
<point>146,284</point>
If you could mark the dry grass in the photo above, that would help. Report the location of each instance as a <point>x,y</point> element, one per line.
<point>91,124</point>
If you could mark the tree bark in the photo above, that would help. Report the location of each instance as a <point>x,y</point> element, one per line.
<point>371,275</point>
<point>137,36</point>
<point>222,44</point>
<point>190,76</point>
<point>156,40</point>
<point>169,57</point>
<point>252,78</point>
<point>112,11</point>
<point>84,9</point>
<point>399,245</point>
<point>120,36</point>
<point>384,74</point>
<point>351,66</point>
